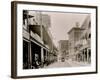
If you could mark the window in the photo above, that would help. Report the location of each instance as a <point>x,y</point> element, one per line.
<point>89,36</point>
<point>89,25</point>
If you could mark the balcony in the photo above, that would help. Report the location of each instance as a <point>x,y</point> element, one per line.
<point>36,37</point>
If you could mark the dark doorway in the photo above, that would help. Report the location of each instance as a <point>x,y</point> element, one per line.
<point>25,54</point>
<point>35,50</point>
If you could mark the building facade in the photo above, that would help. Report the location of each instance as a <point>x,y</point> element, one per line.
<point>74,36</point>
<point>80,41</point>
<point>38,46</point>
<point>64,49</point>
<point>83,46</point>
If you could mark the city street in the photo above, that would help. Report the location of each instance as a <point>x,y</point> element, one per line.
<point>71,49</point>
<point>67,63</point>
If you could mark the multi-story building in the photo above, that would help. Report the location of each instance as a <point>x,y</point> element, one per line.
<point>40,18</point>
<point>64,48</point>
<point>46,20</point>
<point>74,36</point>
<point>80,41</point>
<point>36,40</point>
<point>83,46</point>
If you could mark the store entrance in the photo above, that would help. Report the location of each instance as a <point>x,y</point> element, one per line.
<point>36,55</point>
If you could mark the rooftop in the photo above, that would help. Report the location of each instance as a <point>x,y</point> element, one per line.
<point>75,28</point>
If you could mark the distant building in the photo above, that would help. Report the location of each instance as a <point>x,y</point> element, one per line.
<point>40,18</point>
<point>74,36</point>
<point>64,48</point>
<point>46,20</point>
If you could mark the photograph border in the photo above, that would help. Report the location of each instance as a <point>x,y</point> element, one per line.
<point>14,37</point>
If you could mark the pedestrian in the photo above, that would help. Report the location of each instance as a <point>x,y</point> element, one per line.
<point>36,62</point>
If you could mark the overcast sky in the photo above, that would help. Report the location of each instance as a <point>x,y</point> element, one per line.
<point>61,23</point>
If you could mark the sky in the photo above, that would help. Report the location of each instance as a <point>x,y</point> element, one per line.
<point>61,23</point>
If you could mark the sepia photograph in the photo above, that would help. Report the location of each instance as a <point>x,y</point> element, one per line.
<point>56,39</point>
<point>53,39</point>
